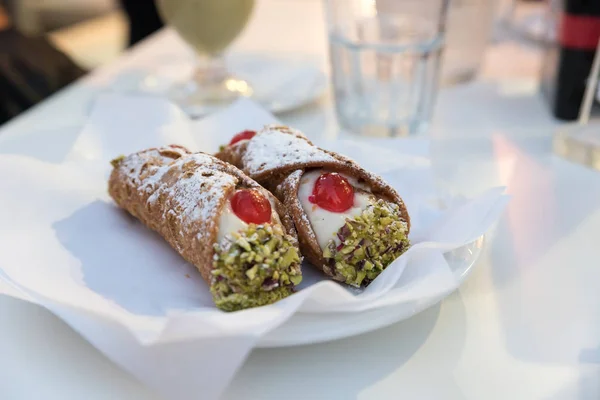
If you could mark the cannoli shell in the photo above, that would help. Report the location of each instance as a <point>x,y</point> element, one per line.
<point>277,157</point>
<point>181,195</point>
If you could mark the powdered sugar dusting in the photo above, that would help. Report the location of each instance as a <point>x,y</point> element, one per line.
<point>197,195</point>
<point>146,180</point>
<point>191,185</point>
<point>278,146</point>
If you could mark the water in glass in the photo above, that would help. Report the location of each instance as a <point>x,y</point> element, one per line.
<point>385,74</point>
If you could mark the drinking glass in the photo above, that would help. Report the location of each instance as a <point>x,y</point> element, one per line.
<point>385,58</point>
<point>209,27</point>
<point>532,22</point>
<point>468,30</point>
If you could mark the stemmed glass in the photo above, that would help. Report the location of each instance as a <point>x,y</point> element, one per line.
<point>209,27</point>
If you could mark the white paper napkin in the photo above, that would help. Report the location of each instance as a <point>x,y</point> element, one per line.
<point>66,246</point>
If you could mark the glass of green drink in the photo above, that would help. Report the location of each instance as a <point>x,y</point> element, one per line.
<point>209,27</point>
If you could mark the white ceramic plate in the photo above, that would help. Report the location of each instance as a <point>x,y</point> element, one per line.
<point>309,328</point>
<point>279,84</point>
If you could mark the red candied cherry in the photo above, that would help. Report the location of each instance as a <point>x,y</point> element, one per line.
<point>251,206</point>
<point>244,135</point>
<point>332,192</point>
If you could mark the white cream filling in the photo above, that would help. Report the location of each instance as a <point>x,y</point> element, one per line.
<point>230,223</point>
<point>325,223</point>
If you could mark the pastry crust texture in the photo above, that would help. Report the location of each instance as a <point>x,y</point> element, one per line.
<point>278,156</point>
<point>181,195</point>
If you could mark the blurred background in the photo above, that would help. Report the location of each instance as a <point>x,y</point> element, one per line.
<point>95,32</point>
<point>92,33</point>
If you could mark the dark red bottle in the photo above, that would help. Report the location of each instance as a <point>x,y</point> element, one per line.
<point>567,63</point>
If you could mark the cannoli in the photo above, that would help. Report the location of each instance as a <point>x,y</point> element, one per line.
<point>231,229</point>
<point>350,223</point>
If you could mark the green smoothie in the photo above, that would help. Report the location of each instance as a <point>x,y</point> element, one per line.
<point>209,26</point>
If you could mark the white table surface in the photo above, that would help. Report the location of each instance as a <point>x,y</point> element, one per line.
<point>526,325</point>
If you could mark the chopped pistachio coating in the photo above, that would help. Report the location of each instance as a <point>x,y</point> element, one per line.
<point>369,243</point>
<point>254,267</point>
<point>116,161</point>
